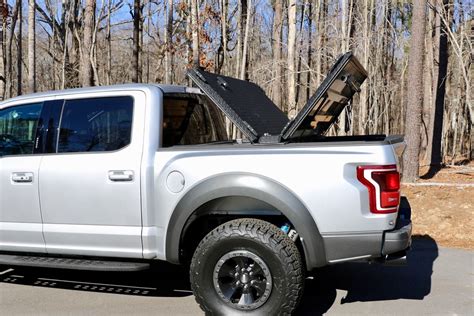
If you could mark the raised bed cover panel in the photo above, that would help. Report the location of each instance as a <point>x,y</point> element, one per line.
<point>243,102</point>
<point>324,107</point>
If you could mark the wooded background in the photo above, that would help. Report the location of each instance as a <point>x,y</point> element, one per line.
<point>286,46</point>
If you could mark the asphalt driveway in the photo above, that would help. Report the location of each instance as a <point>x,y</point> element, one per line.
<point>436,282</point>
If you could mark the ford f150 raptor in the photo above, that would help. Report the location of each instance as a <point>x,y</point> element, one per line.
<point>115,178</point>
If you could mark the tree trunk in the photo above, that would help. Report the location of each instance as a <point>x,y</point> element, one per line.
<point>429,85</point>
<point>222,50</point>
<point>32,47</point>
<point>136,71</point>
<point>189,38</point>
<point>19,57</point>
<point>195,32</point>
<point>243,66</point>
<point>300,52</point>
<point>3,17</point>
<point>93,54</point>
<point>344,47</point>
<point>108,38</point>
<point>363,100</point>
<point>9,54</point>
<point>169,43</point>
<point>415,93</point>
<point>66,31</point>
<point>55,40</point>
<point>291,58</point>
<point>148,52</point>
<point>74,56</point>
<point>86,65</point>
<point>310,48</point>
<point>321,19</point>
<point>436,122</point>
<point>140,43</point>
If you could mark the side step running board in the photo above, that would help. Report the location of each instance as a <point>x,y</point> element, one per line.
<point>71,263</point>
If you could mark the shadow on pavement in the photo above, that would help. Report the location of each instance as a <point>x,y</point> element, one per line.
<point>362,281</point>
<point>163,279</point>
<point>372,282</point>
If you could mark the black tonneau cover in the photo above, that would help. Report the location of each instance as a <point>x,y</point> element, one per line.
<point>248,107</point>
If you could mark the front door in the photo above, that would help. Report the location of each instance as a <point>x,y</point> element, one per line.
<point>90,188</point>
<point>20,214</point>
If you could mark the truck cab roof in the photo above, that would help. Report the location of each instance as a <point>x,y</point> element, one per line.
<point>167,89</point>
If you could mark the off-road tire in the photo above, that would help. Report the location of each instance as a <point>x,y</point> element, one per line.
<point>262,239</point>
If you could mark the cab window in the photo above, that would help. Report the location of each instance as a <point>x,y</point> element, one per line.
<point>190,120</point>
<point>96,125</point>
<point>18,126</point>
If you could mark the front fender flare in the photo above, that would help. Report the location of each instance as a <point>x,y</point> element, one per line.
<point>253,186</point>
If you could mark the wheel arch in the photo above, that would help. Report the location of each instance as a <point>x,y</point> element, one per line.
<point>249,186</point>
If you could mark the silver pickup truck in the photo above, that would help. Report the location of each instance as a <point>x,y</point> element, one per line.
<point>115,178</point>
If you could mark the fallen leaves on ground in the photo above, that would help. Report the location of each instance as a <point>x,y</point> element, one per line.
<point>445,212</point>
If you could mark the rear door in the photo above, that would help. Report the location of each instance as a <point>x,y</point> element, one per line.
<point>90,188</point>
<point>20,213</point>
<point>247,106</point>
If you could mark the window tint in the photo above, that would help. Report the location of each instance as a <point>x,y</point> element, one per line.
<point>191,119</point>
<point>100,124</point>
<point>18,129</point>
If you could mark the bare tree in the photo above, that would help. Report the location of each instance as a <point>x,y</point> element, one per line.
<point>74,54</point>
<point>276,40</point>
<point>436,122</point>
<point>86,65</point>
<point>243,68</point>
<point>136,69</point>
<point>291,58</point>
<point>169,43</point>
<point>195,32</point>
<point>19,57</point>
<point>415,93</point>
<point>32,46</point>
<point>309,56</point>
<point>9,53</point>
<point>320,18</point>
<point>3,17</point>
<point>367,10</point>
<point>223,47</point>
<point>108,38</point>
<point>65,18</point>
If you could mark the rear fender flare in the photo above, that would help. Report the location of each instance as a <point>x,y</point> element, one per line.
<point>253,186</point>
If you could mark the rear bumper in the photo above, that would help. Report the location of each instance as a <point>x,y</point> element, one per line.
<point>399,239</point>
<point>386,245</point>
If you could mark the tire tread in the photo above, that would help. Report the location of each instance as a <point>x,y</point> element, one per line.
<point>270,236</point>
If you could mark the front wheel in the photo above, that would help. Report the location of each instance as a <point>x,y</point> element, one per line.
<point>247,266</point>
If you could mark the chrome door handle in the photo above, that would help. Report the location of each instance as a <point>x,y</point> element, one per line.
<point>121,175</point>
<point>22,177</point>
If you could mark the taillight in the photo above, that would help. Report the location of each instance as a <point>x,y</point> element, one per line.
<point>383,184</point>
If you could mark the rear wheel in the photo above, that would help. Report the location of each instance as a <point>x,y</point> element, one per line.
<point>247,266</point>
